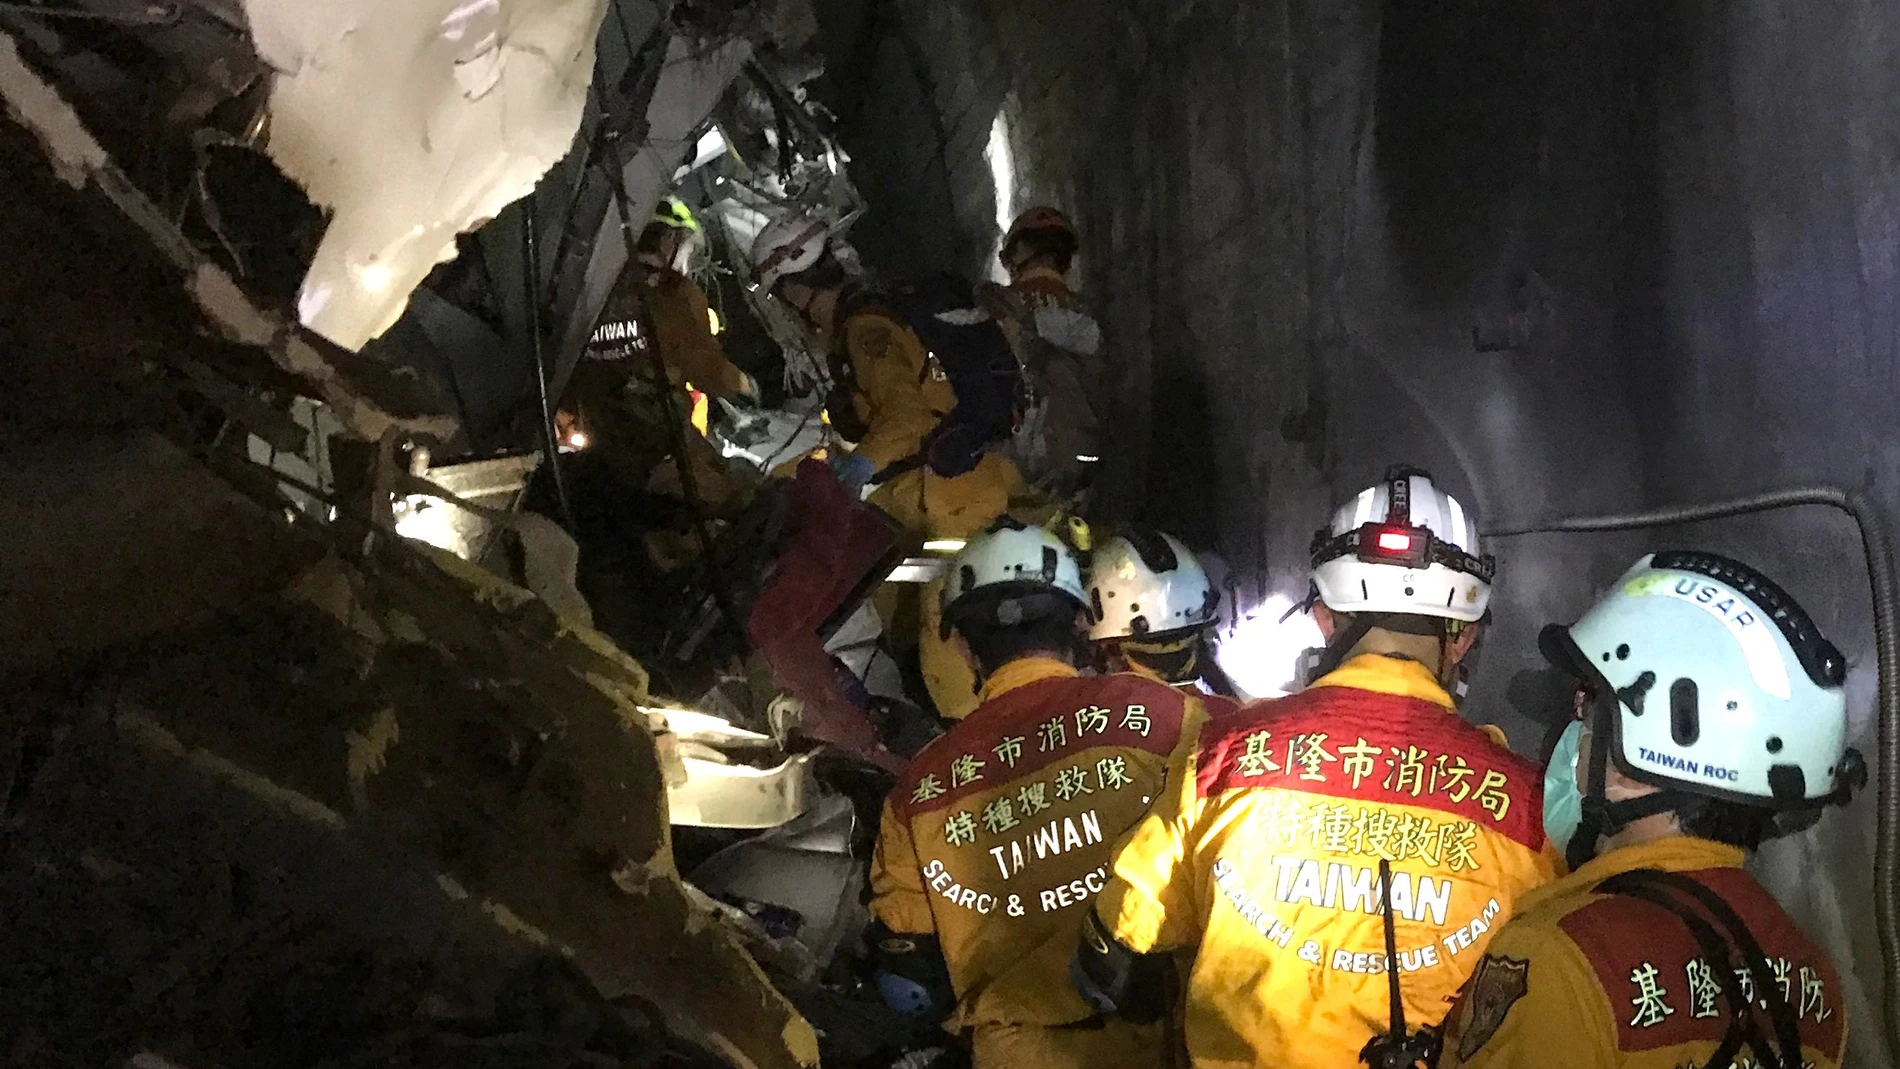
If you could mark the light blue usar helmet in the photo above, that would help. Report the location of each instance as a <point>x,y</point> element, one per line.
<point>1709,680</point>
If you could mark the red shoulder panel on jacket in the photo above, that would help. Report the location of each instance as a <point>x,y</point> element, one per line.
<point>1037,725</point>
<point>1663,992</point>
<point>1343,742</point>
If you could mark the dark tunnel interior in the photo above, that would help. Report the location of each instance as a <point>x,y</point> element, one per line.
<point>1574,259</point>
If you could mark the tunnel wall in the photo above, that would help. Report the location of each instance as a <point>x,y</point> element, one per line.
<point>1770,349</point>
<point>1574,259</point>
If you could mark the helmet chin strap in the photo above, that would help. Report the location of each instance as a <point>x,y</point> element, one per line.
<point>1176,661</point>
<point>1602,817</point>
<point>1336,651</point>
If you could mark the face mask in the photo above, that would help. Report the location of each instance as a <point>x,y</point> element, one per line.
<point>1563,801</point>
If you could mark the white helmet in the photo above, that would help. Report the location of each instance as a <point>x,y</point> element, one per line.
<point>1145,582</point>
<point>1722,686</point>
<point>1024,573</point>
<point>1403,546</point>
<point>787,245</point>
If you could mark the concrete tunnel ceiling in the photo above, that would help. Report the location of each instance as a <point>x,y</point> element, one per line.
<point>1573,259</point>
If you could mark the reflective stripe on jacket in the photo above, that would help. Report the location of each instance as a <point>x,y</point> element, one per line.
<point>1583,980</point>
<point>1262,860</point>
<point>998,834</point>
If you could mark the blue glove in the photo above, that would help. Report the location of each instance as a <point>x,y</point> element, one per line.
<point>906,996</point>
<point>852,469</point>
<point>910,974</point>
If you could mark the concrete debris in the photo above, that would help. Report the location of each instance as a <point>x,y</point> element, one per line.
<point>200,548</point>
<point>362,787</point>
<point>413,123</point>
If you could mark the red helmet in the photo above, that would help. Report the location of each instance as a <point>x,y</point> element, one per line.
<point>1038,218</point>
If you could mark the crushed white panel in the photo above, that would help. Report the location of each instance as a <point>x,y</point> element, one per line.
<point>721,795</point>
<point>78,159</point>
<point>414,122</point>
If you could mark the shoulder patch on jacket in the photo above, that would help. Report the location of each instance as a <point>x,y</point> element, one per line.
<point>1495,988</point>
<point>871,335</point>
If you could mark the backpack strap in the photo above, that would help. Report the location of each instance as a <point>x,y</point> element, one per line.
<point>1719,948</point>
<point>1787,1023</point>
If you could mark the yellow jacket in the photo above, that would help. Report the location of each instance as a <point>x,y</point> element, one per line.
<point>678,310</point>
<point>1262,860</point>
<point>902,394</point>
<point>1580,980</point>
<point>998,834</point>
<point>666,303</point>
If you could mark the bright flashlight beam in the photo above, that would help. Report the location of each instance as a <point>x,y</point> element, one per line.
<point>1261,654</point>
<point>1002,171</point>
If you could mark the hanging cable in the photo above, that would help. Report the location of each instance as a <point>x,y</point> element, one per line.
<point>1877,545</point>
<point>531,286</point>
<point>689,483</point>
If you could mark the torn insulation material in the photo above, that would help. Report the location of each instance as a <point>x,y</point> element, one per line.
<point>414,123</point>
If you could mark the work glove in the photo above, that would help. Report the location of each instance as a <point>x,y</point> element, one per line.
<point>911,975</point>
<point>852,469</point>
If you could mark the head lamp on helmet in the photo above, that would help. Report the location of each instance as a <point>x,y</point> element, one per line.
<point>1403,547</point>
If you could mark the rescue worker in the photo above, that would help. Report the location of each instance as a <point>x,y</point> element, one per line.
<point>1154,610</point>
<point>998,833</point>
<point>614,402</point>
<point>1059,442</point>
<point>897,394</point>
<point>1260,861</point>
<point>1708,708</point>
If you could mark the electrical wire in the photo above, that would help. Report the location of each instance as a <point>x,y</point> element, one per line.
<point>1877,544</point>
<point>550,438</point>
<point>722,592</point>
<point>803,422</point>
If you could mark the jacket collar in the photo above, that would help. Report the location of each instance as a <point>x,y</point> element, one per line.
<point>1382,674</point>
<point>1676,853</point>
<point>1022,672</point>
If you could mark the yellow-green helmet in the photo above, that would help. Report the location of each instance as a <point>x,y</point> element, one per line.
<point>673,212</point>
